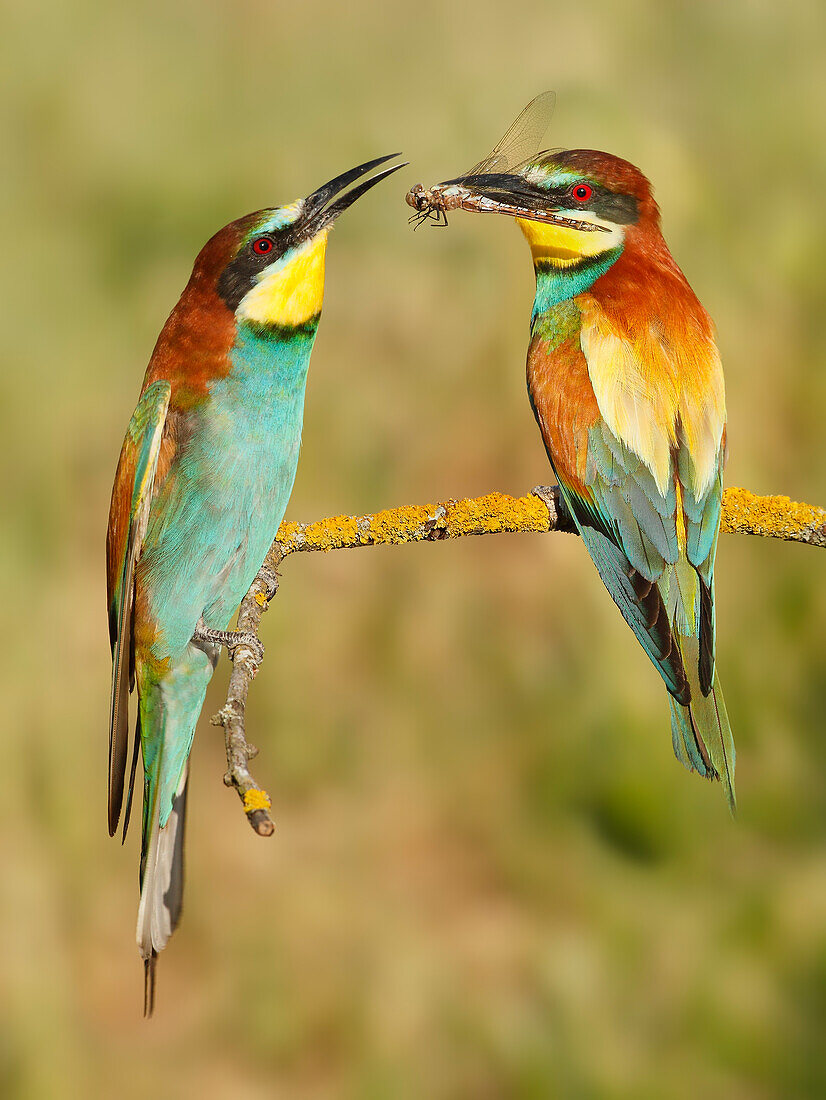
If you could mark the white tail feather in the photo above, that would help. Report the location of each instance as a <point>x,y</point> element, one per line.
<point>160,903</point>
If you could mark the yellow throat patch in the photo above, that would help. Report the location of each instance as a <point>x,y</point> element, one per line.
<point>562,245</point>
<point>291,292</point>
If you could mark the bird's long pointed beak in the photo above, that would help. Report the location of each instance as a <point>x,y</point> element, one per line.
<point>317,214</point>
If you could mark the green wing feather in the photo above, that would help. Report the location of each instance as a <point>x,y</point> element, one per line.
<point>135,478</point>
<point>702,522</point>
<point>628,527</point>
<point>665,594</point>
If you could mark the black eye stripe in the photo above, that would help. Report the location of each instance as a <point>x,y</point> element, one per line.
<point>610,205</point>
<point>240,274</point>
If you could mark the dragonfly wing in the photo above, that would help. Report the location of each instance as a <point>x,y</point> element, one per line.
<point>523,138</point>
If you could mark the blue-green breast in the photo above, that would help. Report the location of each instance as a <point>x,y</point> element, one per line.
<point>225,496</point>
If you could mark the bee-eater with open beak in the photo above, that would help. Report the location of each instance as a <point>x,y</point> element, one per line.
<point>204,477</point>
<point>626,385</point>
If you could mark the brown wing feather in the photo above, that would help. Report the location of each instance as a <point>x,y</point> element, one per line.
<point>128,517</point>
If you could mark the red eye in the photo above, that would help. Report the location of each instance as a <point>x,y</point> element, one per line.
<point>262,246</point>
<point>582,192</point>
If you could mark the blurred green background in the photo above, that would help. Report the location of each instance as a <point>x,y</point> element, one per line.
<point>490,878</point>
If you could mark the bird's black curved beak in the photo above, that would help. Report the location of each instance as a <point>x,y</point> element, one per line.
<point>317,214</point>
<point>511,194</point>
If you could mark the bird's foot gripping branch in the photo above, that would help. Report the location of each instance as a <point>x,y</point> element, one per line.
<point>540,511</point>
<point>230,639</point>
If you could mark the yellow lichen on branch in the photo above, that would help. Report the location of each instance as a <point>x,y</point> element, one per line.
<point>494,514</point>
<point>773,517</point>
<point>256,799</point>
<point>497,513</point>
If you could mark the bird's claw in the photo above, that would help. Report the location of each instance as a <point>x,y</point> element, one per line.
<point>251,641</point>
<point>232,639</point>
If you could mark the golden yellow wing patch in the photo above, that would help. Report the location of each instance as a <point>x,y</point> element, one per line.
<point>647,385</point>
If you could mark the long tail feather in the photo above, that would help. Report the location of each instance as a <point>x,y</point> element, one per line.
<point>710,719</point>
<point>149,984</point>
<point>162,883</point>
<point>702,737</point>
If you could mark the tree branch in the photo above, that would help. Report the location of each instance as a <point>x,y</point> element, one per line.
<point>232,716</point>
<point>541,511</point>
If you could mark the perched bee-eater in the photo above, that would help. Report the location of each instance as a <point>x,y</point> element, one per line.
<point>626,385</point>
<point>204,477</point>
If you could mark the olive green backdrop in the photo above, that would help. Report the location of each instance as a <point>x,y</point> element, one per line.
<point>489,877</point>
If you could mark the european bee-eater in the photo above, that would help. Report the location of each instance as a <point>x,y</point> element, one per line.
<point>204,477</point>
<point>626,384</point>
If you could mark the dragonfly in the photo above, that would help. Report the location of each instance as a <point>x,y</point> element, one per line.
<point>480,188</point>
<point>520,143</point>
